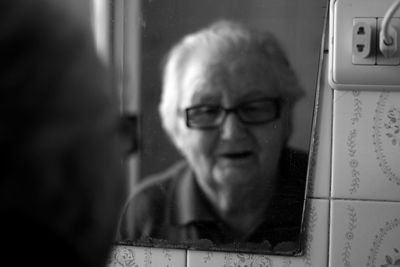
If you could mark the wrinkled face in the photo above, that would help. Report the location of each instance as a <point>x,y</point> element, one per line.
<point>235,154</point>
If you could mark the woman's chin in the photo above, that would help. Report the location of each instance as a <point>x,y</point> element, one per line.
<point>238,173</point>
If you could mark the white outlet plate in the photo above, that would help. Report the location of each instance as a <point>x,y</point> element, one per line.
<point>343,74</point>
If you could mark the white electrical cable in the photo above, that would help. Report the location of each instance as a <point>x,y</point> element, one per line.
<point>387,39</point>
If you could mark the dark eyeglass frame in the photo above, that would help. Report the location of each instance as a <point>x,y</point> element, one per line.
<point>236,110</point>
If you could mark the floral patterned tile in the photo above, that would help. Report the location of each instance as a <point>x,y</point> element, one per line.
<point>319,171</point>
<point>124,256</point>
<point>316,246</point>
<point>366,145</point>
<point>365,233</point>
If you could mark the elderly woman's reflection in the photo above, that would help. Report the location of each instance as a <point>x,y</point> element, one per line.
<point>228,94</point>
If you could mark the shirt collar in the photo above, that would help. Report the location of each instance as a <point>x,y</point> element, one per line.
<point>190,203</point>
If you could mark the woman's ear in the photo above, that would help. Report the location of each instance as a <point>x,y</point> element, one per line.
<point>176,136</point>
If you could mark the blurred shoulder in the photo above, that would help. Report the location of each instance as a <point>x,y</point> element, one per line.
<point>147,211</point>
<point>162,181</point>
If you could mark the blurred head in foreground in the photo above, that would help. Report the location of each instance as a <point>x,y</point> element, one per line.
<point>62,181</point>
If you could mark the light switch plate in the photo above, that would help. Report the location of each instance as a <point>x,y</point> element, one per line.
<point>343,74</point>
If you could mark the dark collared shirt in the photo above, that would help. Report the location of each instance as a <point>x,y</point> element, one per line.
<point>171,207</point>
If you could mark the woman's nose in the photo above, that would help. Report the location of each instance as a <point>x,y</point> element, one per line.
<point>232,128</point>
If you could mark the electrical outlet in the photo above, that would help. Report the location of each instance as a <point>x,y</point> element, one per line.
<point>353,63</point>
<point>364,41</point>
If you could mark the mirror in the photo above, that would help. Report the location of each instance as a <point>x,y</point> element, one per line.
<point>238,182</point>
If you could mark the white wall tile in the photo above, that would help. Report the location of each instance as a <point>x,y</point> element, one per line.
<point>366,145</point>
<point>364,233</point>
<point>124,256</point>
<point>315,250</point>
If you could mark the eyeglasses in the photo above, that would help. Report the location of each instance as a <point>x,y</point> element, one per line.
<point>213,116</point>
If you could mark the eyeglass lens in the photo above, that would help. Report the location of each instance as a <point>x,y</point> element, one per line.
<point>210,116</point>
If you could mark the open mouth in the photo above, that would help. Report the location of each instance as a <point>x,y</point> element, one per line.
<point>237,155</point>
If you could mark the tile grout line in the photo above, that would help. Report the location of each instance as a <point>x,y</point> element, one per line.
<point>330,176</point>
<point>366,200</point>
<point>331,92</point>
<point>330,173</point>
<point>355,199</point>
<point>326,73</point>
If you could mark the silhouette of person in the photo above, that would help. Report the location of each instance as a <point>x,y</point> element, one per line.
<point>62,181</point>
